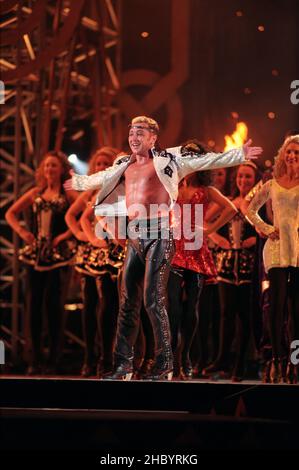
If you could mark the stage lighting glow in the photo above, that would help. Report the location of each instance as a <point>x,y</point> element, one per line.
<point>144,34</point>
<point>271,115</point>
<point>73,158</point>
<point>79,166</point>
<point>261,28</point>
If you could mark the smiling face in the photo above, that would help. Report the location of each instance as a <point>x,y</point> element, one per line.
<point>291,157</point>
<point>102,162</point>
<point>141,139</point>
<point>286,160</point>
<point>245,179</point>
<point>52,169</point>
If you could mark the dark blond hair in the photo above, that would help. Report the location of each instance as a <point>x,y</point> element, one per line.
<point>65,165</point>
<point>150,122</point>
<point>280,167</point>
<point>109,152</point>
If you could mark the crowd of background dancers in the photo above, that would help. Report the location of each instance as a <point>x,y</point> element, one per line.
<point>224,318</point>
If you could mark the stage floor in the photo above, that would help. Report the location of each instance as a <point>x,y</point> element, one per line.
<point>88,414</point>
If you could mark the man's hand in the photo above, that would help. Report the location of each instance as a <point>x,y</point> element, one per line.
<point>68,183</point>
<point>251,153</point>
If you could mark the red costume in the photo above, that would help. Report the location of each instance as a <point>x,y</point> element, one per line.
<point>200,261</point>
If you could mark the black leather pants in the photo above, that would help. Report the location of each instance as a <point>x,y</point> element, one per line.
<point>145,276</point>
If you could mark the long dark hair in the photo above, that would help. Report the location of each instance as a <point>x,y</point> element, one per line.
<point>257,176</point>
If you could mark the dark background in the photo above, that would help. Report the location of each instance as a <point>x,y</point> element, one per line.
<point>227,55</point>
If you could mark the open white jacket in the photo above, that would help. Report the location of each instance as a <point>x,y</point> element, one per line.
<point>171,165</point>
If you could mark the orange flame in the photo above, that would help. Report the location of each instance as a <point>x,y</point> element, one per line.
<point>237,138</point>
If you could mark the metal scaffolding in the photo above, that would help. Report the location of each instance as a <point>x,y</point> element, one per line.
<point>60,70</point>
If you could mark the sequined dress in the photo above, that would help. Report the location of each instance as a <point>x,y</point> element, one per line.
<point>200,260</point>
<point>235,265</point>
<point>94,261</point>
<point>48,222</point>
<point>283,252</point>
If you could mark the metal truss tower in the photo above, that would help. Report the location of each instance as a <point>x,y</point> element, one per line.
<point>60,74</point>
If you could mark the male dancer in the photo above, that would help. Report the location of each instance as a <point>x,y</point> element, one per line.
<point>145,180</point>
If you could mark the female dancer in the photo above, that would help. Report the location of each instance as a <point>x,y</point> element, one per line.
<point>47,252</point>
<point>234,263</point>
<point>95,286</point>
<point>281,250</point>
<point>209,304</point>
<point>192,267</point>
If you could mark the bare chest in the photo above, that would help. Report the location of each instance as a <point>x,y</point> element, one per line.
<point>143,185</point>
<point>142,176</point>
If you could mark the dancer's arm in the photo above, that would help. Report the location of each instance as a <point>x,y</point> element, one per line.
<point>86,223</point>
<point>73,212</point>
<point>12,215</point>
<point>228,210</point>
<point>260,198</point>
<point>192,161</point>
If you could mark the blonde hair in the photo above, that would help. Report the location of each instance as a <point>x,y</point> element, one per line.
<point>280,167</point>
<point>65,165</point>
<point>152,124</point>
<point>109,152</point>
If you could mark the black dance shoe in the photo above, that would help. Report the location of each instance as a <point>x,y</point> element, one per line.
<point>160,374</point>
<point>186,371</point>
<point>122,372</point>
<point>145,370</point>
<point>162,370</point>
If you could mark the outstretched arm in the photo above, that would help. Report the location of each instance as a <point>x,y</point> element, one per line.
<point>88,182</point>
<point>85,182</point>
<point>250,152</point>
<point>188,162</point>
